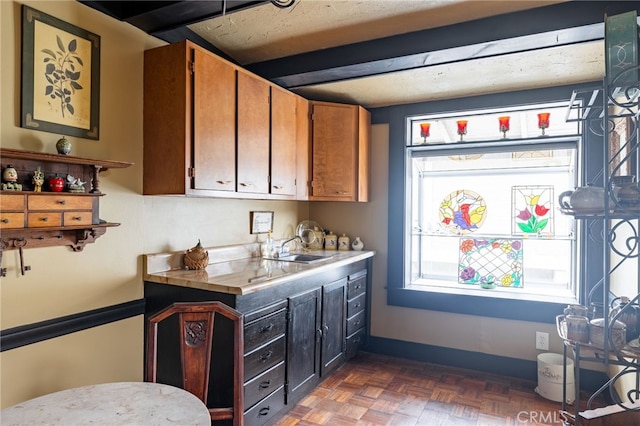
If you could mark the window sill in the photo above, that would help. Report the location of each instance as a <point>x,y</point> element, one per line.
<point>480,302</point>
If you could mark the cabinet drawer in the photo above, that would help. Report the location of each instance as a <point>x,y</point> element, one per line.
<point>355,322</point>
<point>357,285</point>
<point>42,219</point>
<point>356,305</point>
<point>263,385</point>
<point>11,220</point>
<point>265,409</point>
<point>11,202</point>
<point>263,358</point>
<point>354,342</point>
<point>59,202</point>
<point>77,218</point>
<point>264,329</point>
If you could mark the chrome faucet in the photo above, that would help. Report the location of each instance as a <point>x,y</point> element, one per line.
<point>284,249</point>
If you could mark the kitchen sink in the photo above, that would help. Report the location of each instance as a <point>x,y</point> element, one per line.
<point>301,258</point>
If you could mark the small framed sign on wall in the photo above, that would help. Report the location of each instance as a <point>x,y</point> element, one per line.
<point>260,222</point>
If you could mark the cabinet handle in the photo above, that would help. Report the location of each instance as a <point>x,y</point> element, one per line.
<point>356,306</point>
<point>44,219</point>
<point>341,192</point>
<point>267,328</point>
<point>244,184</point>
<point>325,329</point>
<point>277,186</point>
<point>356,323</point>
<point>5,220</point>
<point>358,286</point>
<point>265,384</point>
<point>77,218</point>
<point>356,340</point>
<point>265,356</point>
<point>223,182</point>
<point>264,411</point>
<point>62,202</point>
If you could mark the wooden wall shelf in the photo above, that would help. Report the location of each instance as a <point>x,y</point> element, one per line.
<point>30,219</point>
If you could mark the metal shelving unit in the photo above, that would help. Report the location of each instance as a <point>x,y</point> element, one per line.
<point>605,111</point>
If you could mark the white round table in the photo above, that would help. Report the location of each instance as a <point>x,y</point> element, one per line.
<point>124,403</point>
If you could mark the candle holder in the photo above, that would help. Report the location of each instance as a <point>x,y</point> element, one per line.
<point>424,131</point>
<point>504,125</point>
<point>462,128</point>
<point>543,121</point>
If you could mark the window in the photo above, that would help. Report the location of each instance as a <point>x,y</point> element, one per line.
<point>482,208</point>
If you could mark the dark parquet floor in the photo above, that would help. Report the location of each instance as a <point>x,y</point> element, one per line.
<point>379,390</point>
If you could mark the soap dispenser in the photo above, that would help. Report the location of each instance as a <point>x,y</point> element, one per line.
<point>268,247</point>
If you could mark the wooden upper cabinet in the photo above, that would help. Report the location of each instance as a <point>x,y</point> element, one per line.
<point>340,144</point>
<point>283,141</point>
<point>253,134</point>
<point>214,123</point>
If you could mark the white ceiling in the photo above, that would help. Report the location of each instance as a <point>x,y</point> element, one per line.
<point>266,32</point>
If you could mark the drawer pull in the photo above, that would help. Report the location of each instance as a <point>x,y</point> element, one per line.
<point>277,186</point>
<point>356,323</point>
<point>245,184</point>
<point>356,340</point>
<point>5,220</point>
<point>267,328</point>
<point>265,356</point>
<point>44,219</point>
<point>77,218</point>
<point>264,411</point>
<point>223,182</point>
<point>265,384</point>
<point>62,202</point>
<point>356,306</point>
<point>357,287</point>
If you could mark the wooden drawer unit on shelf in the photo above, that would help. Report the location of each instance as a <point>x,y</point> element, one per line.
<point>12,211</point>
<point>30,219</point>
<point>356,311</point>
<point>61,210</point>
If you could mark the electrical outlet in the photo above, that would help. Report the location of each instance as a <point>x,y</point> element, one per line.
<point>542,341</point>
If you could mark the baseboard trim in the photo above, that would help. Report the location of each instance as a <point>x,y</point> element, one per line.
<point>32,333</point>
<point>590,380</point>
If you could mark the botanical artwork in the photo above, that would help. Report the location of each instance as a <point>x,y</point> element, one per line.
<point>532,210</point>
<point>462,211</point>
<point>60,76</point>
<point>491,260</point>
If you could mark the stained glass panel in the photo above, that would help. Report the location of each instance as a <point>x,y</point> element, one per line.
<point>497,260</point>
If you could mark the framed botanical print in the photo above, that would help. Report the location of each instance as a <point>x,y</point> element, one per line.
<point>60,76</point>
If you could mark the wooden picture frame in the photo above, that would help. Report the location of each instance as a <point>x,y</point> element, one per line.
<point>260,222</point>
<point>60,76</point>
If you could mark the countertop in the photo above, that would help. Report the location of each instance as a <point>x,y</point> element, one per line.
<point>239,270</point>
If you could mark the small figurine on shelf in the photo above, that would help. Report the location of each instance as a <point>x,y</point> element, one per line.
<point>38,180</point>
<point>74,184</point>
<point>10,179</point>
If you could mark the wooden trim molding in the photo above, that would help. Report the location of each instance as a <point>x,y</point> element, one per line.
<point>32,333</point>
<point>590,380</point>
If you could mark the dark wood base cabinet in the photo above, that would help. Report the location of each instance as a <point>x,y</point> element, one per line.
<point>296,334</point>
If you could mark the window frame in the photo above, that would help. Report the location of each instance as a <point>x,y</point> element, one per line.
<point>589,162</point>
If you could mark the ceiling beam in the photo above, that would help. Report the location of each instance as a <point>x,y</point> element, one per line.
<point>541,28</point>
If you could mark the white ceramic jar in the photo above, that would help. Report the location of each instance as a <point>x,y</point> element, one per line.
<point>331,241</point>
<point>357,244</point>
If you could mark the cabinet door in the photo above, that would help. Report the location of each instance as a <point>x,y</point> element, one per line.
<point>253,134</point>
<point>334,150</point>
<point>303,353</point>
<point>214,118</point>
<point>283,142</point>
<point>334,309</point>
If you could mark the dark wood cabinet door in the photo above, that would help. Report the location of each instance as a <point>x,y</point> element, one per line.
<point>253,134</point>
<point>303,356</point>
<point>283,142</point>
<point>214,123</point>
<point>334,310</point>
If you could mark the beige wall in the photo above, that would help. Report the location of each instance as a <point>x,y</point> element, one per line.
<point>107,272</point>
